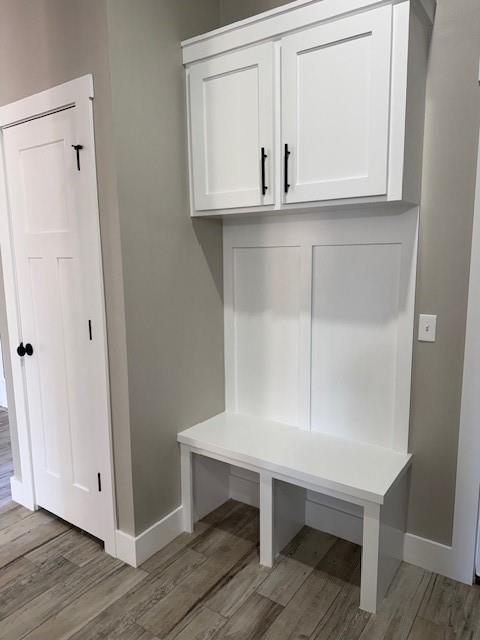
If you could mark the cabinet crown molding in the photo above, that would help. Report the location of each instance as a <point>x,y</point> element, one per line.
<point>282,20</point>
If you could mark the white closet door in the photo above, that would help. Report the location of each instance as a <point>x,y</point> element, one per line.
<point>58,271</point>
<point>231,111</point>
<point>335,108</point>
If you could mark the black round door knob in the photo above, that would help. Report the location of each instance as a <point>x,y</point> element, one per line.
<point>24,350</point>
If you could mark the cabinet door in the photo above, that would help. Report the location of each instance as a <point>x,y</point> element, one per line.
<point>231,115</point>
<point>335,108</point>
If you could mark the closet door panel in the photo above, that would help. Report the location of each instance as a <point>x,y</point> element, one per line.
<point>231,112</point>
<point>335,107</point>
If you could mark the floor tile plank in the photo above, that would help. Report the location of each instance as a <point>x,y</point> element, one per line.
<point>317,594</point>
<point>77,547</point>
<point>238,585</point>
<point>27,587</point>
<point>344,619</point>
<point>119,616</point>
<point>174,549</point>
<point>53,600</point>
<point>17,570</point>
<point>203,624</point>
<point>166,614</point>
<point>252,620</point>
<point>135,633</point>
<point>12,513</point>
<point>427,630</point>
<point>28,534</point>
<point>295,564</point>
<point>398,611</point>
<point>452,604</point>
<point>65,623</point>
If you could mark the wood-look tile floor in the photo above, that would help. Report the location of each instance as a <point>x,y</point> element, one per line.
<point>56,583</point>
<point>6,464</point>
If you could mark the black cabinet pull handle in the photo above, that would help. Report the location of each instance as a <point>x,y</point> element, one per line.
<point>285,169</point>
<point>26,350</point>
<point>264,157</point>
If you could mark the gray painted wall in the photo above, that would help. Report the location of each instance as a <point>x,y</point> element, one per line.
<point>232,10</point>
<point>451,134</point>
<point>172,267</point>
<point>449,174</point>
<point>42,44</point>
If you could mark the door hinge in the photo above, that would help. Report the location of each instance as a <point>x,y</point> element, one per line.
<point>99,478</point>
<point>90,329</point>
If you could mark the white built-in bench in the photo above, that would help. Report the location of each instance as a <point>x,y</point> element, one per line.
<point>290,461</point>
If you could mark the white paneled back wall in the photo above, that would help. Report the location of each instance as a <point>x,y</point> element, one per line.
<point>319,321</point>
<point>355,311</point>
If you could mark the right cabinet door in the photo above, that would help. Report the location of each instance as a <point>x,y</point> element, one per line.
<point>335,108</point>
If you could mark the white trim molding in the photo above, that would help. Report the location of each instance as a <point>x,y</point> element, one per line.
<point>134,550</point>
<point>467,490</point>
<point>285,19</point>
<point>21,494</point>
<point>428,554</point>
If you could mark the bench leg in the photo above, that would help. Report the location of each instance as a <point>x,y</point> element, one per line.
<point>370,558</point>
<point>383,534</point>
<point>187,487</point>
<point>266,520</point>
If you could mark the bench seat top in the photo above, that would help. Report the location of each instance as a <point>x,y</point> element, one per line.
<point>359,470</point>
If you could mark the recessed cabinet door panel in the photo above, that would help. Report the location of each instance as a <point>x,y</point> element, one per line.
<point>335,108</point>
<point>231,111</point>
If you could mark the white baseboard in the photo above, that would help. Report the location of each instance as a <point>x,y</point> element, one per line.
<point>334,521</point>
<point>134,550</point>
<point>20,494</point>
<point>3,394</point>
<point>429,555</point>
<point>243,488</point>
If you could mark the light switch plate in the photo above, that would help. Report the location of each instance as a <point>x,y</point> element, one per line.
<point>427,328</point>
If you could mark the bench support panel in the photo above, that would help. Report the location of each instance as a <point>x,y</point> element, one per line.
<point>383,532</point>
<point>282,515</point>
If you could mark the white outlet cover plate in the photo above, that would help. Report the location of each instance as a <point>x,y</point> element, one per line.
<point>427,328</point>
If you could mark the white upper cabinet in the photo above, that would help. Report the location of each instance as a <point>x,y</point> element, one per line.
<point>312,104</point>
<point>231,112</point>
<point>335,108</point>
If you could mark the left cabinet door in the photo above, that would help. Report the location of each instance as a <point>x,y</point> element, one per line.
<point>231,105</point>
